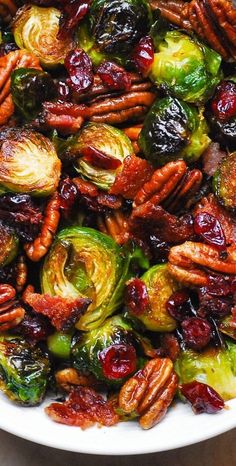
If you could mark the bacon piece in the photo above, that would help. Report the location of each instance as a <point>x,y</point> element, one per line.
<point>84,408</point>
<point>62,312</point>
<point>95,199</point>
<point>134,174</point>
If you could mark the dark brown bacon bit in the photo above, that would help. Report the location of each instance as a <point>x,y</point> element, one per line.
<point>94,199</point>
<point>84,408</point>
<point>63,313</point>
<point>99,159</point>
<point>134,174</point>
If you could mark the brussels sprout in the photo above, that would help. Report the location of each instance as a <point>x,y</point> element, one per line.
<point>186,68</point>
<point>85,263</point>
<point>59,345</point>
<point>36,30</point>
<point>9,245</point>
<point>224,181</point>
<point>227,326</point>
<point>214,367</point>
<point>99,145</point>
<point>28,163</point>
<point>172,130</point>
<point>30,88</point>
<point>23,371</point>
<point>108,352</point>
<point>159,287</point>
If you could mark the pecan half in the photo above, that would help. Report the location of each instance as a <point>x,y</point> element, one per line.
<point>150,392</point>
<point>68,378</point>
<point>186,262</point>
<point>11,312</point>
<point>115,225</point>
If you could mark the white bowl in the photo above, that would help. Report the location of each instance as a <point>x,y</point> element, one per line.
<point>180,428</point>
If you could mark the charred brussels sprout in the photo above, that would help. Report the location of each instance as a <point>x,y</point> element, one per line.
<point>172,130</point>
<point>86,263</point>
<point>23,371</point>
<point>214,367</point>
<point>224,181</point>
<point>118,24</point>
<point>30,88</point>
<point>108,352</point>
<point>100,150</point>
<point>28,163</point>
<point>186,68</point>
<point>36,30</point>
<point>9,245</point>
<point>157,287</point>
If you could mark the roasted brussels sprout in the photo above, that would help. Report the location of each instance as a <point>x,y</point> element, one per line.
<point>227,326</point>
<point>214,367</point>
<point>173,129</point>
<point>186,68</point>
<point>59,344</point>
<point>100,150</point>
<point>84,262</point>
<point>9,245</point>
<point>157,287</point>
<point>28,163</point>
<point>30,88</point>
<point>108,352</point>
<point>24,371</point>
<point>36,30</point>
<point>224,181</point>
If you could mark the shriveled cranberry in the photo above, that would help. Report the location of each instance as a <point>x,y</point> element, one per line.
<point>35,328</point>
<point>202,397</point>
<point>136,296</point>
<point>63,91</point>
<point>213,306</point>
<point>99,159</point>
<point>73,12</point>
<point>208,227</point>
<point>114,76</point>
<point>224,102</point>
<point>179,305</point>
<point>118,361</point>
<point>80,69</point>
<point>197,332</point>
<point>143,55</point>
<point>159,249</point>
<point>221,285</point>
<point>68,193</point>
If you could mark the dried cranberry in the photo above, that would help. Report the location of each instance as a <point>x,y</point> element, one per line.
<point>7,48</point>
<point>197,332</point>
<point>159,249</point>
<point>114,76</point>
<point>208,227</point>
<point>143,55</point>
<point>73,12</point>
<point>204,399</point>
<point>212,306</point>
<point>80,69</point>
<point>35,328</point>
<point>118,361</point>
<point>221,285</point>
<point>179,305</point>
<point>68,193</point>
<point>99,159</point>
<point>224,103</point>
<point>136,296</point>
<point>63,91</point>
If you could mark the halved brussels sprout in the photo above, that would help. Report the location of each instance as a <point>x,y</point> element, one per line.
<point>28,163</point>
<point>108,352</point>
<point>172,130</point>
<point>83,262</point>
<point>159,286</point>
<point>224,181</point>
<point>9,245</point>
<point>29,89</point>
<point>59,344</point>
<point>99,145</point>
<point>24,371</point>
<point>186,68</point>
<point>36,30</point>
<point>214,367</point>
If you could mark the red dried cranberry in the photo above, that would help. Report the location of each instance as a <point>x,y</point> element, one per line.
<point>221,285</point>
<point>224,103</point>
<point>212,306</point>
<point>136,296</point>
<point>118,361</point>
<point>99,159</point>
<point>143,55</point>
<point>179,305</point>
<point>196,332</point>
<point>73,12</point>
<point>68,193</point>
<point>35,328</point>
<point>63,91</point>
<point>80,69</point>
<point>204,399</point>
<point>208,227</point>
<point>114,76</point>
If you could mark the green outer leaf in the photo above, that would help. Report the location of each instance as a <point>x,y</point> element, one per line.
<point>84,262</point>
<point>224,181</point>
